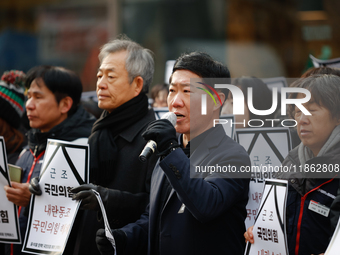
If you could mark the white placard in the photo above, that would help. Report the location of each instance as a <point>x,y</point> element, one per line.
<point>335,62</point>
<point>160,111</point>
<point>169,65</point>
<point>87,95</point>
<point>269,229</point>
<point>9,222</point>
<point>275,82</point>
<point>108,231</point>
<point>52,214</point>
<point>267,148</point>
<point>334,245</point>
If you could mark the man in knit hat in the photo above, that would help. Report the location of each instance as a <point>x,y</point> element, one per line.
<point>11,110</point>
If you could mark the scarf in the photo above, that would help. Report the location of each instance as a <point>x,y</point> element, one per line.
<point>306,154</point>
<point>103,148</point>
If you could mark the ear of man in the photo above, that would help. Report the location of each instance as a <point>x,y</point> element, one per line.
<point>218,104</point>
<point>65,104</point>
<point>138,83</point>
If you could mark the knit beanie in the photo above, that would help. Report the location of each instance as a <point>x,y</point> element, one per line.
<point>12,97</point>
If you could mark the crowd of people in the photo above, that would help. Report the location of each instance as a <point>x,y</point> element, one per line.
<point>159,207</point>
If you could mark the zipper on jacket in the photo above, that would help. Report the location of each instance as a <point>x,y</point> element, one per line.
<point>35,150</point>
<point>36,159</point>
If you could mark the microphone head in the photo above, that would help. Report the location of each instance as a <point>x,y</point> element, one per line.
<point>170,116</point>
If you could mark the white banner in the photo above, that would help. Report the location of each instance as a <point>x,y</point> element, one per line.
<point>276,82</point>
<point>269,228</point>
<point>52,214</point>
<point>334,245</point>
<point>9,222</point>
<point>108,230</point>
<point>267,148</point>
<point>333,63</point>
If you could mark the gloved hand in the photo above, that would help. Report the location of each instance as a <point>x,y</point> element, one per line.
<point>89,200</point>
<point>105,247</point>
<point>162,132</point>
<point>34,186</point>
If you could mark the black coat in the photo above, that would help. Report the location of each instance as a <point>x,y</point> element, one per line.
<point>203,215</point>
<point>129,190</point>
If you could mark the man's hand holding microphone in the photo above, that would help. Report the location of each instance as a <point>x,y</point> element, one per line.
<point>161,135</point>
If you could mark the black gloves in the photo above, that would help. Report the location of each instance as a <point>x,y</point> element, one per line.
<point>163,133</point>
<point>105,247</point>
<point>89,200</point>
<point>34,186</point>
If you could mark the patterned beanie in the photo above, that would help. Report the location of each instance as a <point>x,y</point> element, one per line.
<point>12,97</point>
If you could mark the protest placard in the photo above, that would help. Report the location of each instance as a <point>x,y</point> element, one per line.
<point>169,64</point>
<point>9,222</point>
<point>269,228</point>
<point>275,82</point>
<point>267,148</point>
<point>52,214</point>
<point>335,62</point>
<point>108,230</point>
<point>334,245</point>
<point>160,111</point>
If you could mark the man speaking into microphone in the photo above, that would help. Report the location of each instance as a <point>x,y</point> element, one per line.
<point>195,214</point>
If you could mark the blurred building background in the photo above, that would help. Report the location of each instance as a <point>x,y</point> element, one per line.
<point>264,38</point>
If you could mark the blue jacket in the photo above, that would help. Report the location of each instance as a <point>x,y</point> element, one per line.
<point>202,215</point>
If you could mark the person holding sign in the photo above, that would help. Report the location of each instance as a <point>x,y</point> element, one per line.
<point>313,203</point>
<point>53,111</point>
<point>190,213</point>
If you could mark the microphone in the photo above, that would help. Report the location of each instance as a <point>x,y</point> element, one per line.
<point>151,146</point>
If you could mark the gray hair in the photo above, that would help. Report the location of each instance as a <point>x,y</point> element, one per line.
<point>324,89</point>
<point>139,61</point>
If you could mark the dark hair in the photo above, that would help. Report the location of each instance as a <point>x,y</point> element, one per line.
<point>203,65</point>
<point>321,70</point>
<point>262,96</point>
<point>13,137</point>
<point>61,81</point>
<point>324,89</point>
